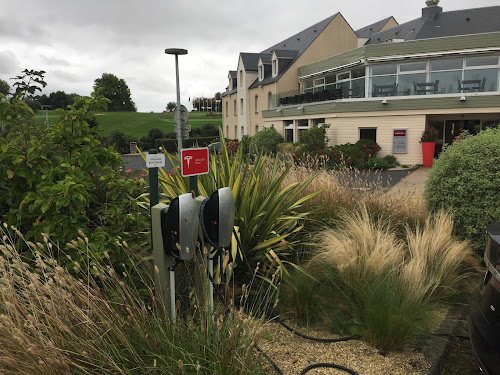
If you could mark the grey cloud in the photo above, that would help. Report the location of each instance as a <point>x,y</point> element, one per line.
<point>9,64</point>
<point>50,60</point>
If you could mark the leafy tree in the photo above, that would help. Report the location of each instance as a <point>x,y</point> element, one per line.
<point>171,106</point>
<point>58,180</point>
<point>28,83</point>
<point>4,87</point>
<point>117,91</point>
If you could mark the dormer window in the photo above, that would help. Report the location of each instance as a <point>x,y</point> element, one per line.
<point>261,72</point>
<point>241,77</point>
<point>275,67</point>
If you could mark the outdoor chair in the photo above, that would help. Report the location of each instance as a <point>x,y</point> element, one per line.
<point>472,85</point>
<point>385,90</point>
<point>424,88</point>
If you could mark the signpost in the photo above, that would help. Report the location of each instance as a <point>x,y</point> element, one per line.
<point>155,160</point>
<point>194,161</point>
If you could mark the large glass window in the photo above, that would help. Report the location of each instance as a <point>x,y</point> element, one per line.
<point>301,126</point>
<point>288,125</point>
<point>483,79</point>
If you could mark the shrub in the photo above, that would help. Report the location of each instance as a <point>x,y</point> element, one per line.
<point>120,141</point>
<point>369,147</point>
<point>206,130</point>
<point>377,163</point>
<point>245,144</point>
<point>170,145</point>
<point>391,160</point>
<point>148,141</point>
<point>314,138</point>
<point>348,155</point>
<point>266,141</point>
<point>390,284</point>
<point>59,180</point>
<point>465,179</point>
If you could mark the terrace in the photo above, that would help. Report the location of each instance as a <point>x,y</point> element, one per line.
<point>430,76</point>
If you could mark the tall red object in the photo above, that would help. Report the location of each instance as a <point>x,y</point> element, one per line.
<point>428,153</point>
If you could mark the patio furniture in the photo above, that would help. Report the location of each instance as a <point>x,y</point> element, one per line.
<point>385,90</point>
<point>424,88</point>
<point>472,85</point>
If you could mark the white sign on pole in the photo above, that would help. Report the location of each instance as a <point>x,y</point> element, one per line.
<point>155,160</point>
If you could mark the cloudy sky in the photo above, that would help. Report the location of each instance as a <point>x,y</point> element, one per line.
<point>75,42</point>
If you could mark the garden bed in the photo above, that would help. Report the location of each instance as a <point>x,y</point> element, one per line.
<point>292,354</point>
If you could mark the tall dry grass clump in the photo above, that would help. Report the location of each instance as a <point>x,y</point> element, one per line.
<point>350,189</point>
<point>391,283</point>
<point>54,323</point>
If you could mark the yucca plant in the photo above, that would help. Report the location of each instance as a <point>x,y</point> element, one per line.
<point>266,212</point>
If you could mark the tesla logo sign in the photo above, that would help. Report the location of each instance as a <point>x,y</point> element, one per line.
<point>194,161</point>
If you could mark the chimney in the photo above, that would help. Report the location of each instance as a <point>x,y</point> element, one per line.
<point>432,9</point>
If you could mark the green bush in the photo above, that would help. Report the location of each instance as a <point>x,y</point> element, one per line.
<point>348,154</point>
<point>120,141</point>
<point>391,159</point>
<point>377,163</point>
<point>206,130</point>
<point>465,179</point>
<point>170,145</point>
<point>266,141</point>
<point>59,181</point>
<point>148,141</point>
<point>314,138</point>
<point>245,144</point>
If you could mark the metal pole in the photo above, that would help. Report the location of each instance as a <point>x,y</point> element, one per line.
<point>179,124</point>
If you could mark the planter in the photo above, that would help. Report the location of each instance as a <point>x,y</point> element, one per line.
<point>428,153</point>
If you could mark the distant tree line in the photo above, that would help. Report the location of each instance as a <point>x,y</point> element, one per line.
<point>109,86</point>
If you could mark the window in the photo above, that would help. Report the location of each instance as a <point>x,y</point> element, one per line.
<point>275,67</point>
<point>235,131</point>
<point>241,106</point>
<point>241,78</point>
<point>227,108</point>
<point>256,128</point>
<point>288,126</point>
<point>234,109</point>
<point>317,121</point>
<point>269,100</point>
<point>301,126</point>
<point>368,133</point>
<point>227,131</point>
<point>261,72</point>
<point>242,131</point>
<point>256,103</point>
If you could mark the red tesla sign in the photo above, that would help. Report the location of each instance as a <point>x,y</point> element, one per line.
<point>194,161</point>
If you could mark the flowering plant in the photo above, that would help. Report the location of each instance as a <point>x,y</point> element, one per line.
<point>430,134</point>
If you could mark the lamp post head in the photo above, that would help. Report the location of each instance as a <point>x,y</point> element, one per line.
<point>176,51</point>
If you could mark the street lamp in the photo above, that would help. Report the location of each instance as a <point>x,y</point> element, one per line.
<point>177,52</point>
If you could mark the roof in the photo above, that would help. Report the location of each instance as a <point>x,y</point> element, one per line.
<point>266,58</point>
<point>368,31</point>
<point>436,24</point>
<point>233,73</point>
<point>250,60</point>
<point>290,48</point>
<point>289,54</point>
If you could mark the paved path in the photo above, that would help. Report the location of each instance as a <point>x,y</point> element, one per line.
<point>412,183</point>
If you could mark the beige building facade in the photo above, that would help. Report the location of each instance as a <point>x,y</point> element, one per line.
<point>386,82</point>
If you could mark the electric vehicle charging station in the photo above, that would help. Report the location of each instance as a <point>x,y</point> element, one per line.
<point>175,236</point>
<point>217,222</point>
<point>485,308</point>
<point>176,233</point>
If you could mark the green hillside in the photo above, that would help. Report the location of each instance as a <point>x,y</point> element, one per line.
<point>138,124</point>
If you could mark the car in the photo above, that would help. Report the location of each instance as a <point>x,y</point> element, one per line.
<point>485,308</point>
<point>214,146</point>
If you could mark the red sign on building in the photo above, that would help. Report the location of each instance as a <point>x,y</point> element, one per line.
<point>194,161</point>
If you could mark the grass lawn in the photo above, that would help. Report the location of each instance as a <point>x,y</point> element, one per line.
<point>138,124</point>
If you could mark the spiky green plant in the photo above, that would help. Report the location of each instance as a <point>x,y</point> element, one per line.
<point>265,212</point>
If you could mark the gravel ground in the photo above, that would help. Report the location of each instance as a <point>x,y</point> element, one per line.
<point>292,354</point>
